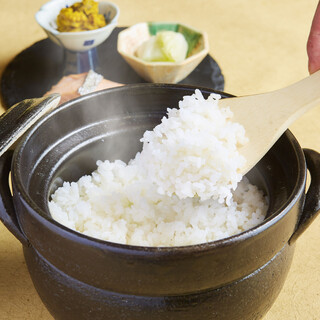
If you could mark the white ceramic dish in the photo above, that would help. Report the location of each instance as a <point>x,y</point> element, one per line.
<point>76,41</point>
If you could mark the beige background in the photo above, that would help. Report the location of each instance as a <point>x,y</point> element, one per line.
<point>260,46</point>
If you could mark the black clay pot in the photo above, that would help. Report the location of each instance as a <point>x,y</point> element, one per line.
<point>78,277</point>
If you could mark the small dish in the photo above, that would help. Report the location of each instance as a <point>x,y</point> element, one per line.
<point>131,38</point>
<point>76,41</point>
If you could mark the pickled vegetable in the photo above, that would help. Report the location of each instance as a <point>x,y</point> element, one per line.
<point>165,46</point>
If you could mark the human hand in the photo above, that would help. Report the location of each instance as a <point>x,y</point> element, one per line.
<point>313,45</point>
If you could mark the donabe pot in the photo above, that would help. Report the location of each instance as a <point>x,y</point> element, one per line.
<point>78,277</point>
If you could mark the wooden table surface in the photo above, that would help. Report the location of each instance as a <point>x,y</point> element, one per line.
<point>260,46</point>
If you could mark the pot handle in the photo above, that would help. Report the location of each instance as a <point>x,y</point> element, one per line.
<point>20,117</point>
<point>311,207</point>
<point>13,124</point>
<point>7,210</point>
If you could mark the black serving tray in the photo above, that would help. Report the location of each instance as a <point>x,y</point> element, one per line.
<point>33,71</point>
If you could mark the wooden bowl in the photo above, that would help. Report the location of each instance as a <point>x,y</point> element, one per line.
<point>162,72</point>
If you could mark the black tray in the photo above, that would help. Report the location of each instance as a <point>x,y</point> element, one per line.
<point>33,71</point>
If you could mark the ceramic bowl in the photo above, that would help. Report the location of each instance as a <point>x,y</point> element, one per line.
<point>76,41</point>
<point>80,278</point>
<point>162,72</point>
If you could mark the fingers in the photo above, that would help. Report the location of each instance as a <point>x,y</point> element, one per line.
<point>313,44</point>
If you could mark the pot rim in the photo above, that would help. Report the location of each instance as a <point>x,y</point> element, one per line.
<point>46,219</point>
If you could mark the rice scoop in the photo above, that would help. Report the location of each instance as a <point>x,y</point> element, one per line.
<point>183,188</point>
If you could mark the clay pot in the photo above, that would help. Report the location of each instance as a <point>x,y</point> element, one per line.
<point>78,277</point>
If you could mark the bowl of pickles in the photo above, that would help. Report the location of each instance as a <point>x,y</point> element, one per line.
<point>162,52</point>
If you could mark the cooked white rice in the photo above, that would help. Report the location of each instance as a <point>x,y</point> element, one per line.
<point>182,189</point>
<point>193,152</point>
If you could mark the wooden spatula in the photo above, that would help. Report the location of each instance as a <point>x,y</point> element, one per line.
<point>266,116</point>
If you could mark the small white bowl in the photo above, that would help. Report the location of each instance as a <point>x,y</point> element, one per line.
<point>76,41</point>
<point>131,38</point>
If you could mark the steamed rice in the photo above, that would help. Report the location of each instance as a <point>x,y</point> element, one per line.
<point>193,152</point>
<point>183,188</point>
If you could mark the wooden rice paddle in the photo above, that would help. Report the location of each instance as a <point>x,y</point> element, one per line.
<point>266,116</point>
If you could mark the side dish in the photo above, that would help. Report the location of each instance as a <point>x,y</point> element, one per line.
<point>81,16</point>
<point>168,46</point>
